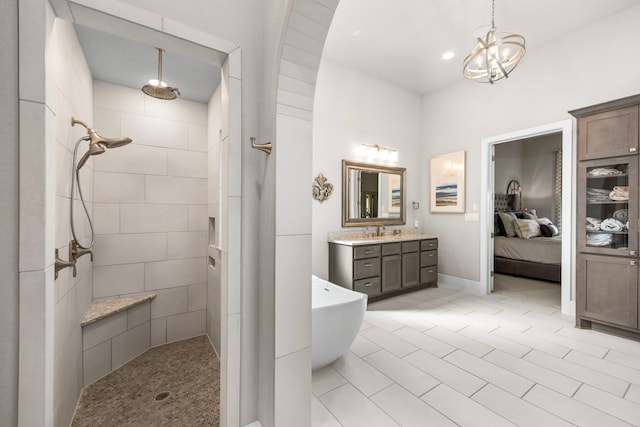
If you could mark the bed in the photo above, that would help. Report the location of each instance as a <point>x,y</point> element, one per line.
<point>532,257</point>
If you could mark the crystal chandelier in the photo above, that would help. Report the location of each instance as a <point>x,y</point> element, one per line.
<point>495,55</point>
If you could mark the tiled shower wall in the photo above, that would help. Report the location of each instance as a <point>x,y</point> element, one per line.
<point>214,254</point>
<point>69,92</point>
<point>150,208</point>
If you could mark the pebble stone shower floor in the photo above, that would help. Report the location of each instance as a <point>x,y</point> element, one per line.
<point>175,384</point>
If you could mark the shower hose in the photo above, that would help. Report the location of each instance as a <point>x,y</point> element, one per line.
<point>75,178</point>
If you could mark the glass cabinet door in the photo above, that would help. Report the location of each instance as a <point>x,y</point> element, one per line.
<point>608,206</point>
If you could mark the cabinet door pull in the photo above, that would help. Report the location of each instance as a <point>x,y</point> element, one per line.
<point>632,263</point>
<point>429,271</point>
<point>632,253</point>
<point>368,264</point>
<point>430,255</point>
<point>368,285</point>
<point>632,149</point>
<point>367,251</point>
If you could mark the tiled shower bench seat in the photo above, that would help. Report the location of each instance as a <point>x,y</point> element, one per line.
<point>114,331</point>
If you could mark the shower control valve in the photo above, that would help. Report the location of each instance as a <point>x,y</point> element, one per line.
<point>62,264</point>
<point>75,251</point>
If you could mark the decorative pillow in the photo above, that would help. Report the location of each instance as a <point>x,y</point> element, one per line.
<point>529,215</point>
<point>527,228</point>
<point>549,230</point>
<point>498,228</point>
<point>508,219</point>
<point>543,221</point>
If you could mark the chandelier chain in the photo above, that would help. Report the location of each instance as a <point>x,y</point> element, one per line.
<point>493,15</point>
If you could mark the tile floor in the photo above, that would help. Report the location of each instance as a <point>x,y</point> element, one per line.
<point>446,357</point>
<point>176,384</point>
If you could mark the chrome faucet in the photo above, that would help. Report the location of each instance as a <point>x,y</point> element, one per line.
<point>380,230</point>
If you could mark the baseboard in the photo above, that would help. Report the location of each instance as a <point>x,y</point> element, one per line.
<point>459,283</point>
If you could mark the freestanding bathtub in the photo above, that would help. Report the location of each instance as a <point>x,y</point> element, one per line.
<point>336,317</point>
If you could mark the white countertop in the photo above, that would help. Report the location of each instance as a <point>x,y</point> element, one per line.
<point>382,239</point>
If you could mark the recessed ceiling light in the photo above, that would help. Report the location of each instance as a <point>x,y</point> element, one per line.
<point>356,33</point>
<point>448,55</point>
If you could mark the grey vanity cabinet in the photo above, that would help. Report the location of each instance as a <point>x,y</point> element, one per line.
<point>391,274</point>
<point>385,268</point>
<point>410,263</point>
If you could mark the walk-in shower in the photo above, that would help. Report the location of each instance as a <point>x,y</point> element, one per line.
<point>97,145</point>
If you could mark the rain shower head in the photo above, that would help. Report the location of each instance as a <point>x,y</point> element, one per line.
<point>160,90</point>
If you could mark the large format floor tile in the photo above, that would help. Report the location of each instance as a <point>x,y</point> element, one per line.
<point>446,357</point>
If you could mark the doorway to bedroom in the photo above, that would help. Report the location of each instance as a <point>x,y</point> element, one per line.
<point>514,195</point>
<point>527,242</point>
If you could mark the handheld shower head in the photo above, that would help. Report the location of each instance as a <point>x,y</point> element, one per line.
<point>97,143</point>
<point>94,149</point>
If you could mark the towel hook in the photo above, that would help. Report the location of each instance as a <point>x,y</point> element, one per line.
<point>266,147</point>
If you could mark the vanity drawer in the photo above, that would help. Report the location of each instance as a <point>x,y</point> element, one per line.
<point>427,245</point>
<point>391,249</point>
<point>366,268</point>
<point>428,258</point>
<point>371,286</point>
<point>368,251</point>
<point>429,274</point>
<point>411,246</point>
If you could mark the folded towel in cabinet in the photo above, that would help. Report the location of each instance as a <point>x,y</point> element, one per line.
<point>593,224</point>
<point>619,192</point>
<point>610,224</point>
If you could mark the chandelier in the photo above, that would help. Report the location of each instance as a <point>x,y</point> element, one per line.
<point>495,55</point>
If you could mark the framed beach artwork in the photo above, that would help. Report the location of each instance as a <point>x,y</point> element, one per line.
<point>447,179</point>
<point>394,194</point>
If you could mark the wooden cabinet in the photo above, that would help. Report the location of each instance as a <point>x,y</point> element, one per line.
<point>607,217</point>
<point>608,134</point>
<point>609,286</point>
<point>604,225</point>
<point>410,264</point>
<point>391,275</point>
<point>386,268</point>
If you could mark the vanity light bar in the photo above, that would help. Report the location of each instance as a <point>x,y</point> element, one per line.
<point>375,152</point>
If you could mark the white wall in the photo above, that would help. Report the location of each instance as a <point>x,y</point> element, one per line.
<point>583,68</point>
<point>352,108</point>
<point>150,209</point>
<point>531,162</point>
<point>9,203</point>
<point>71,91</point>
<point>508,165</point>
<point>538,174</point>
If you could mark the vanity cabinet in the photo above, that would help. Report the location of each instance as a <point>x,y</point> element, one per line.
<point>391,274</point>
<point>608,202</point>
<point>410,264</point>
<point>429,261</point>
<point>386,267</point>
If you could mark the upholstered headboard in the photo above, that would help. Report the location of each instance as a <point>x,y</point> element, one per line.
<point>503,202</point>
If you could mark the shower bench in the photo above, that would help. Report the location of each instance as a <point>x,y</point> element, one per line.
<point>114,331</point>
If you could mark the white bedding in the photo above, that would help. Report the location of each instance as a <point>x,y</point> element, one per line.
<point>545,250</point>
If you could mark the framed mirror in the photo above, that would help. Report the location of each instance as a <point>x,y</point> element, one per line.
<point>372,194</point>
